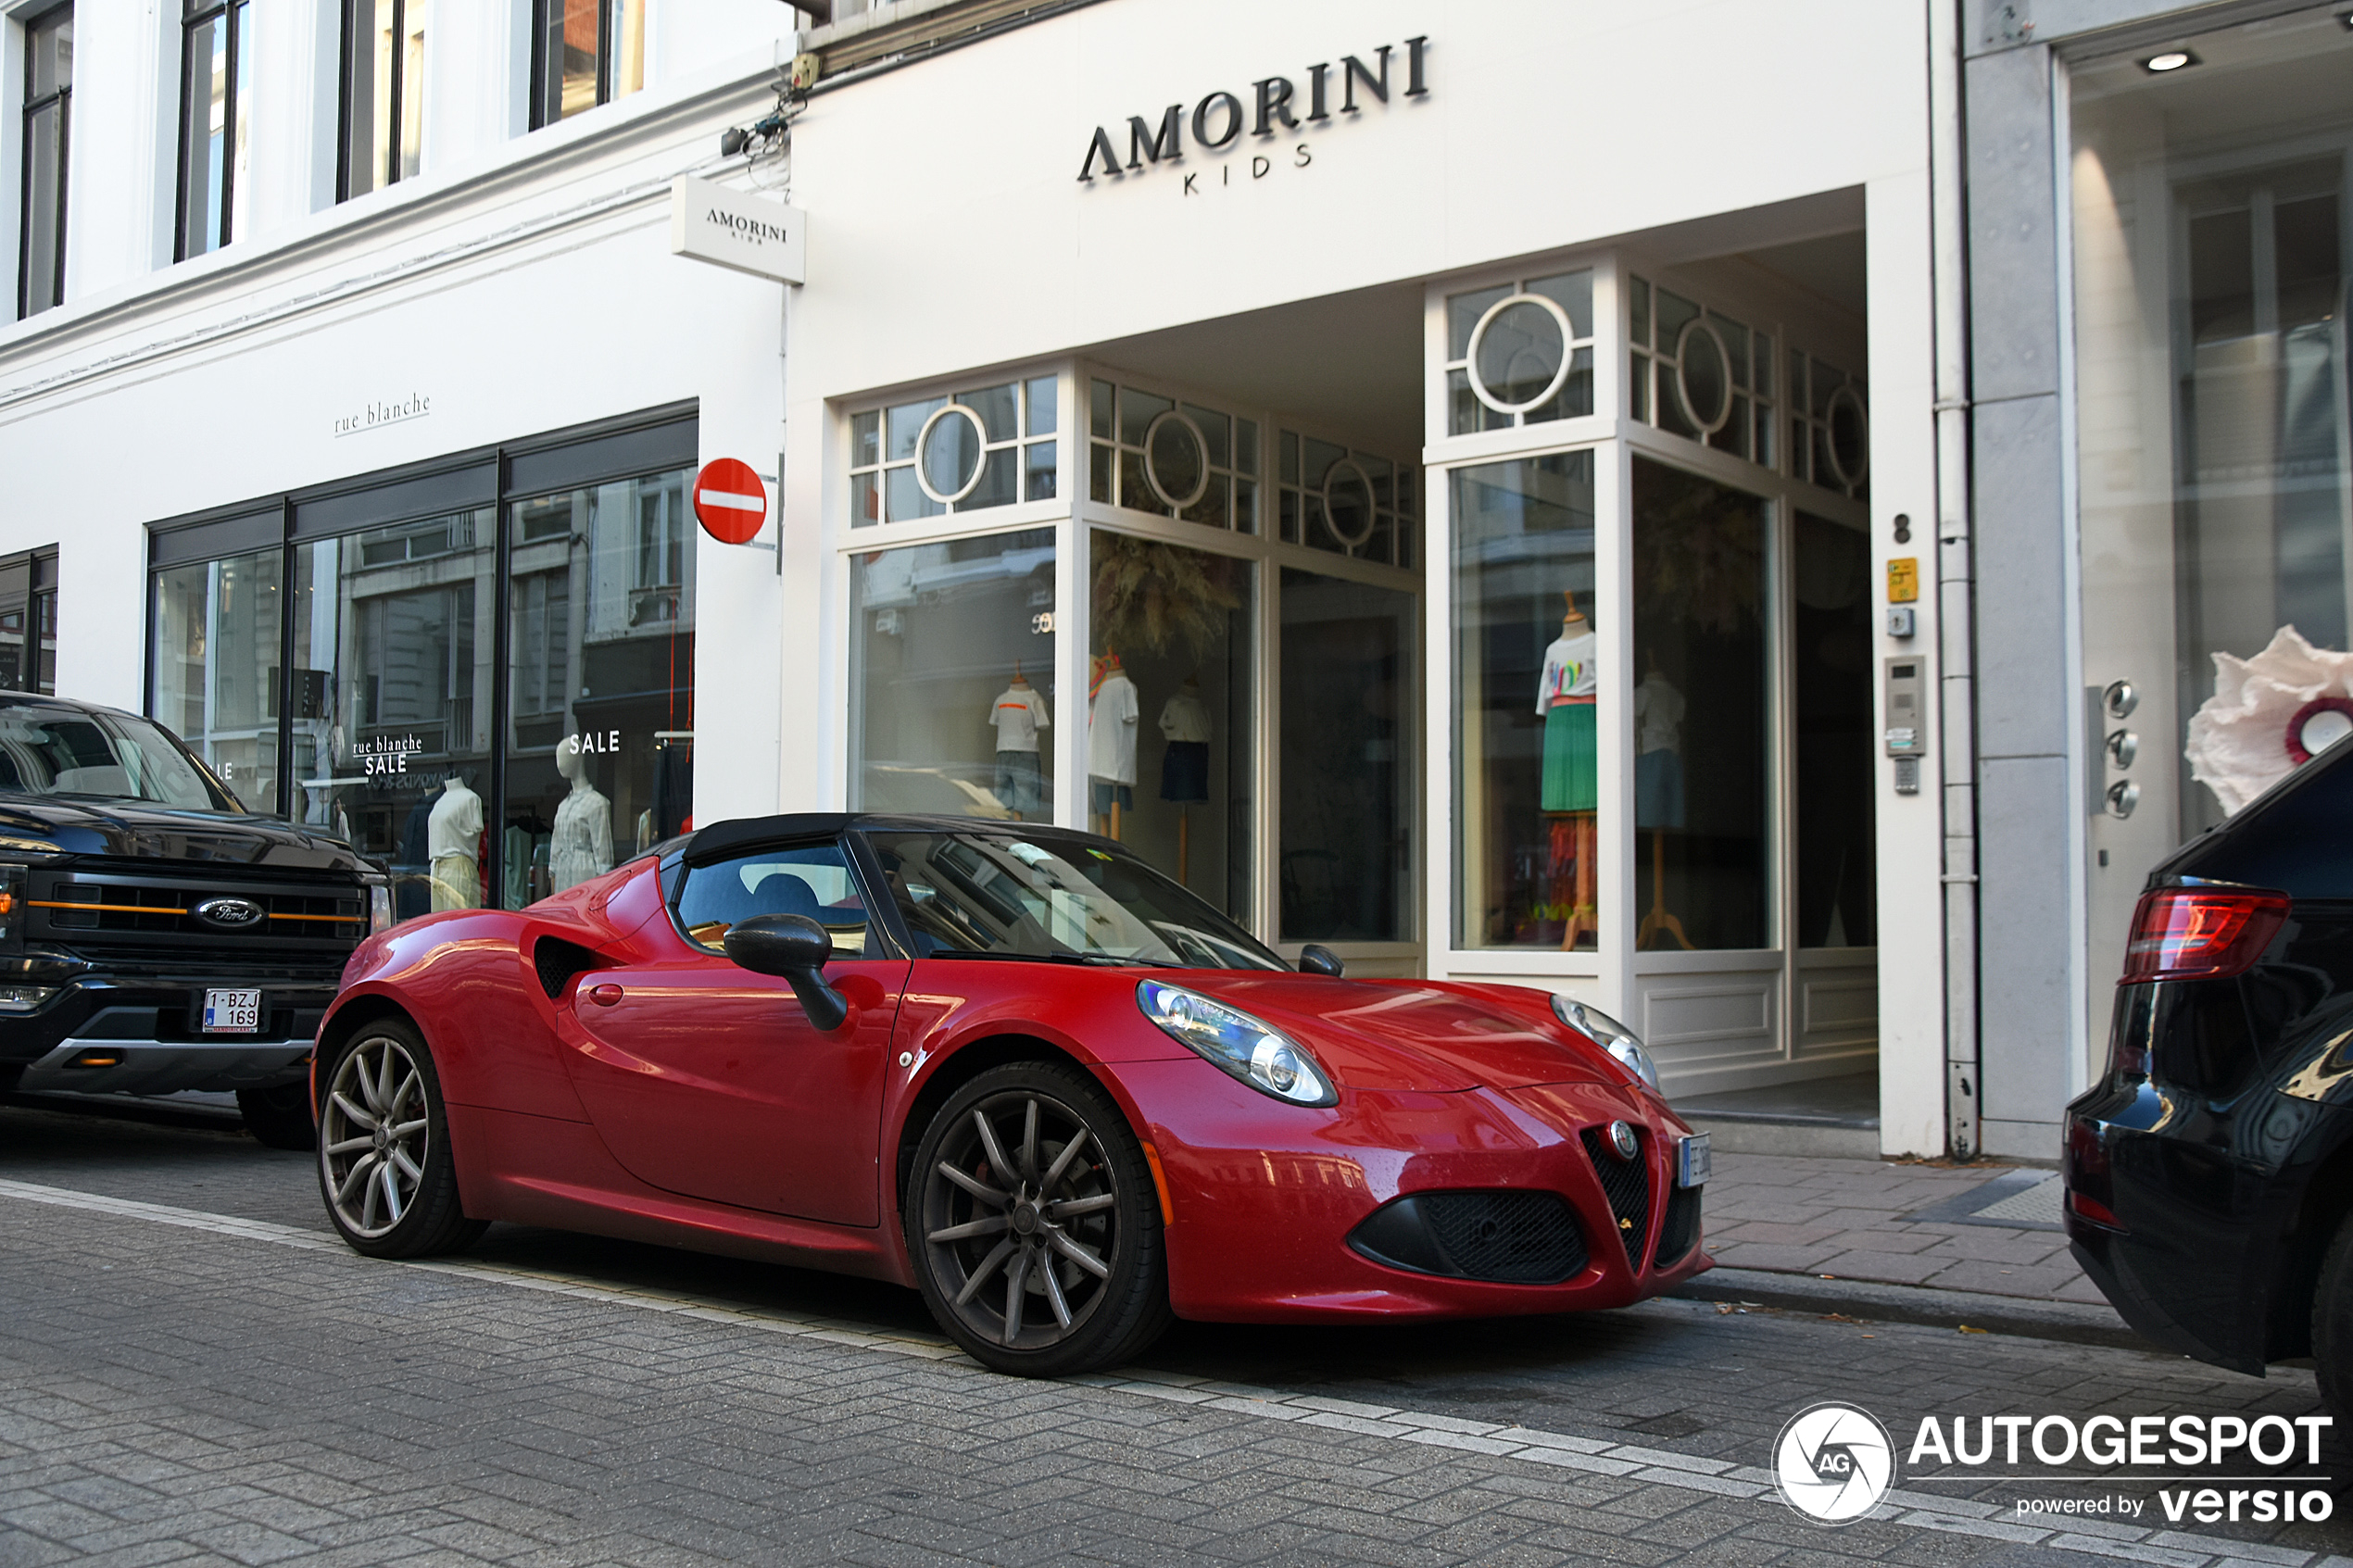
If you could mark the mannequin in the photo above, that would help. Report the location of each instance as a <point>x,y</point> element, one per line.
<point>453,835</point>
<point>1565,702</point>
<point>1184,766</point>
<point>1658,789</point>
<point>581,847</point>
<point>1017,715</point>
<point>1112,713</point>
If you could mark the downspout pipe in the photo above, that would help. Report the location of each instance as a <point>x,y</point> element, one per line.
<point>1955,575</point>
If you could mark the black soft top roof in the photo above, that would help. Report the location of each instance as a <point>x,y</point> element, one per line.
<point>720,840</point>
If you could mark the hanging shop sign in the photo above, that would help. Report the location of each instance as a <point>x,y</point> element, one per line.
<point>732,228</point>
<point>730,502</point>
<point>1275,106</point>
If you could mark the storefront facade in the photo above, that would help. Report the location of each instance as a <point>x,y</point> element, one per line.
<point>1276,451</point>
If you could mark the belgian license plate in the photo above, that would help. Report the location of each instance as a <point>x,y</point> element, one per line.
<point>1691,1162</point>
<point>232,1012</point>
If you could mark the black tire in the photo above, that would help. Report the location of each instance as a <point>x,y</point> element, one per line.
<point>1075,1240</point>
<point>2332,1324</point>
<point>384,1170</point>
<point>280,1118</point>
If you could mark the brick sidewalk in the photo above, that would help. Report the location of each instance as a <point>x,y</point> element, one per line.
<point>1846,1218</point>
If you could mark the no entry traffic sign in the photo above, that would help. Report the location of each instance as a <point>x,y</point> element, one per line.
<point>730,502</point>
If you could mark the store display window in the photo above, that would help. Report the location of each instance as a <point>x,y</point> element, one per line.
<point>1703,727</point>
<point>392,683</point>
<point>1833,649</point>
<point>601,599</point>
<point>1520,353</point>
<point>1348,503</point>
<point>1170,458</point>
<point>953,694</point>
<point>1170,711</point>
<point>1345,856</point>
<point>1527,684</point>
<point>959,452</point>
<point>215,656</point>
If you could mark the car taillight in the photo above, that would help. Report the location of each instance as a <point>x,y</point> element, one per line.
<point>2201,932</point>
<point>2087,1178</point>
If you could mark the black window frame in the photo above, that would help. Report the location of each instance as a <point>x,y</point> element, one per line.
<point>650,440</point>
<point>349,139</point>
<point>61,99</point>
<point>546,66</point>
<point>194,14</point>
<point>40,570</point>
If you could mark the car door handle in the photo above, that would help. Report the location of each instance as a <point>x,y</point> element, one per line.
<point>604,995</point>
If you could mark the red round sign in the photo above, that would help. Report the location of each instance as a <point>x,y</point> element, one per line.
<point>730,502</point>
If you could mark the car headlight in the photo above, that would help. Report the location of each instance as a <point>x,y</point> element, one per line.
<point>24,998</point>
<point>1610,1034</point>
<point>1257,1053</point>
<point>379,908</point>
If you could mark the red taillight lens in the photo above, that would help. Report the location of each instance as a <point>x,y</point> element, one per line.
<point>2200,933</point>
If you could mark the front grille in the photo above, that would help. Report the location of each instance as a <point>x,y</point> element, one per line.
<point>1627,1183</point>
<point>126,909</point>
<point>1679,1227</point>
<point>1510,1238</point>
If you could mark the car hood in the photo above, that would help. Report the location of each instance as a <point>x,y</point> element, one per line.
<point>123,830</point>
<point>1414,1033</point>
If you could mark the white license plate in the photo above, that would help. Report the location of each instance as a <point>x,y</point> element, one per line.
<point>1691,1162</point>
<point>232,1012</point>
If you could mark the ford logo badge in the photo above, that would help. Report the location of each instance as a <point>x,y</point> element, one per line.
<point>1622,1142</point>
<point>230,914</point>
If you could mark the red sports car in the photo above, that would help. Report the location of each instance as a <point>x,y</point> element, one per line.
<point>1011,1066</point>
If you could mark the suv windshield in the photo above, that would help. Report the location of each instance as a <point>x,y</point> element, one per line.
<point>87,753</point>
<point>1054,897</point>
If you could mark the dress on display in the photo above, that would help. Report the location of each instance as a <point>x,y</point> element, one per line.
<point>454,834</point>
<point>1565,700</point>
<point>1659,753</point>
<point>582,845</point>
<point>1184,766</point>
<point>1110,741</point>
<point>1017,715</point>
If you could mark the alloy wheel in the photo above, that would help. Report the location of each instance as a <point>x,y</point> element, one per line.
<point>1022,1220</point>
<point>374,1134</point>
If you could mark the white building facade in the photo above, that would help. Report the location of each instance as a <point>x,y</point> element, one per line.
<point>1485,490</point>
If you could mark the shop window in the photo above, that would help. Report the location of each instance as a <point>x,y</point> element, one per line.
<point>48,101</point>
<point>964,452</point>
<point>1520,353</point>
<point>1345,856</point>
<point>1525,684</point>
<point>952,699</point>
<point>585,53</point>
<point>1698,373</point>
<point>1169,712</point>
<point>1830,427</point>
<point>28,623</point>
<point>1704,752</point>
<point>1350,503</point>
<point>1833,647</point>
<point>1153,454</point>
<point>600,693</point>
<point>215,654</point>
<point>392,684</point>
<point>215,104</point>
<point>384,91</point>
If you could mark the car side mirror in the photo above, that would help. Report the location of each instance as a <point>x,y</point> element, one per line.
<point>795,948</point>
<point>1317,958</point>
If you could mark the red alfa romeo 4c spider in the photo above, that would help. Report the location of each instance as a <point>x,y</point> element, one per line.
<point>1009,1065</point>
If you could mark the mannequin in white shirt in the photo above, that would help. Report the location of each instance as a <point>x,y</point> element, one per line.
<point>581,847</point>
<point>1017,715</point>
<point>1112,713</point>
<point>1658,789</point>
<point>453,836</point>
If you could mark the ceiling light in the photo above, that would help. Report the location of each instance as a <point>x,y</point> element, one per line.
<point>2172,60</point>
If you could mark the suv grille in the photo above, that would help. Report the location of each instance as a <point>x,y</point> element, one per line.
<point>83,906</point>
<point>1627,1183</point>
<point>1679,1230</point>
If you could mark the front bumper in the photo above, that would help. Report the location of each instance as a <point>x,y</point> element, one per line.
<point>154,1025</point>
<point>100,1067</point>
<point>1266,1197</point>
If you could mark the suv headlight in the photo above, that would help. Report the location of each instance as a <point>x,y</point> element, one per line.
<point>1610,1034</point>
<point>1257,1053</point>
<point>24,998</point>
<point>379,908</point>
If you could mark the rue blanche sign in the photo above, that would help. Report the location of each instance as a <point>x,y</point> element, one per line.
<point>732,228</point>
<point>1279,105</point>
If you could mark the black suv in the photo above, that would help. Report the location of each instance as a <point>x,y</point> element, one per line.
<point>2209,1170</point>
<point>154,935</point>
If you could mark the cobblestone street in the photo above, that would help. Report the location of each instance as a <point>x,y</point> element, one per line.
<point>197,1370</point>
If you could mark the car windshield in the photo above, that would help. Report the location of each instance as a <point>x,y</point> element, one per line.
<point>91,755</point>
<point>1053,897</point>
